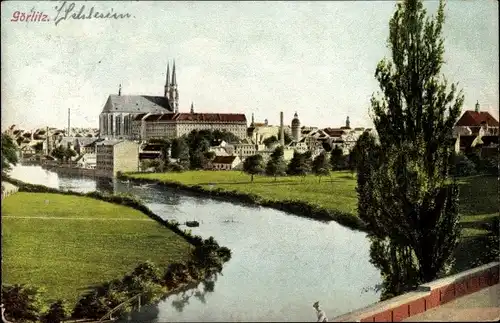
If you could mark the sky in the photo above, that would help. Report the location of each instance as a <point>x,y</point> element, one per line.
<point>314,58</point>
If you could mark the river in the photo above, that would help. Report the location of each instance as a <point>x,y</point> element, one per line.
<point>281,263</point>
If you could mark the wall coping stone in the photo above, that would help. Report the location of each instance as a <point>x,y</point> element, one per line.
<point>421,292</point>
<point>458,277</point>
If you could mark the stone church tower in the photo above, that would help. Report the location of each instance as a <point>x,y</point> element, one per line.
<point>171,92</point>
<point>296,127</point>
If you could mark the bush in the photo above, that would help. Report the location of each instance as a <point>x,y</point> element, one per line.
<point>91,305</point>
<point>490,165</point>
<point>22,302</point>
<point>464,166</point>
<point>148,271</point>
<point>58,312</point>
<point>176,274</point>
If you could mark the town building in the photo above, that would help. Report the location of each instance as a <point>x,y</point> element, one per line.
<point>113,156</point>
<point>476,122</point>
<point>173,125</point>
<point>87,160</point>
<point>115,120</point>
<point>226,163</point>
<point>259,131</point>
<point>222,148</point>
<point>296,128</point>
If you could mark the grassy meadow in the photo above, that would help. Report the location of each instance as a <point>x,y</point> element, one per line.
<point>67,243</point>
<point>479,196</point>
<point>336,192</point>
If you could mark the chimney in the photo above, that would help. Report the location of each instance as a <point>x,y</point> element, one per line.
<point>47,140</point>
<point>69,124</point>
<point>282,131</point>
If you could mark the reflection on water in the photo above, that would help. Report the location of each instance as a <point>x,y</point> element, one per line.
<point>281,263</point>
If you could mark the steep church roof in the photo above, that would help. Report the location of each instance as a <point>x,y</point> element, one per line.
<point>474,119</point>
<point>137,104</point>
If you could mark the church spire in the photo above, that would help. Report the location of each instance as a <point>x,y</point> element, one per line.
<point>174,92</point>
<point>167,81</point>
<point>192,107</point>
<point>174,76</point>
<point>120,90</point>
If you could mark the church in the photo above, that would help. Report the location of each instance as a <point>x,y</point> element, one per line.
<point>143,117</point>
<point>115,120</point>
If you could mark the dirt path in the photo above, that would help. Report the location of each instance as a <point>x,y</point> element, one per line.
<point>71,218</point>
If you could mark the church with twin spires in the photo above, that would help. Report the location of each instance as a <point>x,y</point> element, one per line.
<point>144,117</point>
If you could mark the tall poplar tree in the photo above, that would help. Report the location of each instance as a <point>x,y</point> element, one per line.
<point>406,195</point>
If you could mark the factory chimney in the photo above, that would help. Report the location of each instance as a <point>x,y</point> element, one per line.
<point>282,131</point>
<point>69,124</point>
<point>47,150</point>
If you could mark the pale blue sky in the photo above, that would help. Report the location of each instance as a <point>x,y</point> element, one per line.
<point>316,58</point>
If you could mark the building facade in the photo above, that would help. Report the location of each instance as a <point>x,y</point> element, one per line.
<point>473,123</point>
<point>226,163</point>
<point>113,156</point>
<point>119,111</point>
<point>174,125</point>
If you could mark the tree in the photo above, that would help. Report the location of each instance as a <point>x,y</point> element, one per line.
<point>336,158</point>
<point>276,165</point>
<point>405,194</point>
<point>9,153</point>
<point>307,163</point>
<point>59,153</point>
<point>270,141</point>
<point>208,157</point>
<point>69,153</point>
<point>227,136</point>
<point>183,155</point>
<point>59,311</point>
<point>253,165</point>
<point>165,156</point>
<point>352,160</point>
<point>288,139</point>
<point>320,165</point>
<point>23,302</point>
<point>176,148</point>
<point>38,147</point>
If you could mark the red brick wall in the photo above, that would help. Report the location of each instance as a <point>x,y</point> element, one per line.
<point>437,297</point>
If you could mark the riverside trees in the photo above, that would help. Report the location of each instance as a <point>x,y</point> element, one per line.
<point>405,193</point>
<point>9,153</point>
<point>276,165</point>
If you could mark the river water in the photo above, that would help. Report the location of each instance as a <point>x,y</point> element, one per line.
<point>281,263</point>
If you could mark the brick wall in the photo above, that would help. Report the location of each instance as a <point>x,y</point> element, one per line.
<point>427,296</point>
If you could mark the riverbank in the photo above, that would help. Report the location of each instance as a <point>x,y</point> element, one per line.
<point>71,171</point>
<point>87,245</point>
<point>334,198</point>
<point>69,243</point>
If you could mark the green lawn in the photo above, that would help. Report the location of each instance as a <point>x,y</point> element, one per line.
<point>478,199</point>
<point>479,196</point>
<point>336,193</point>
<point>68,243</point>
